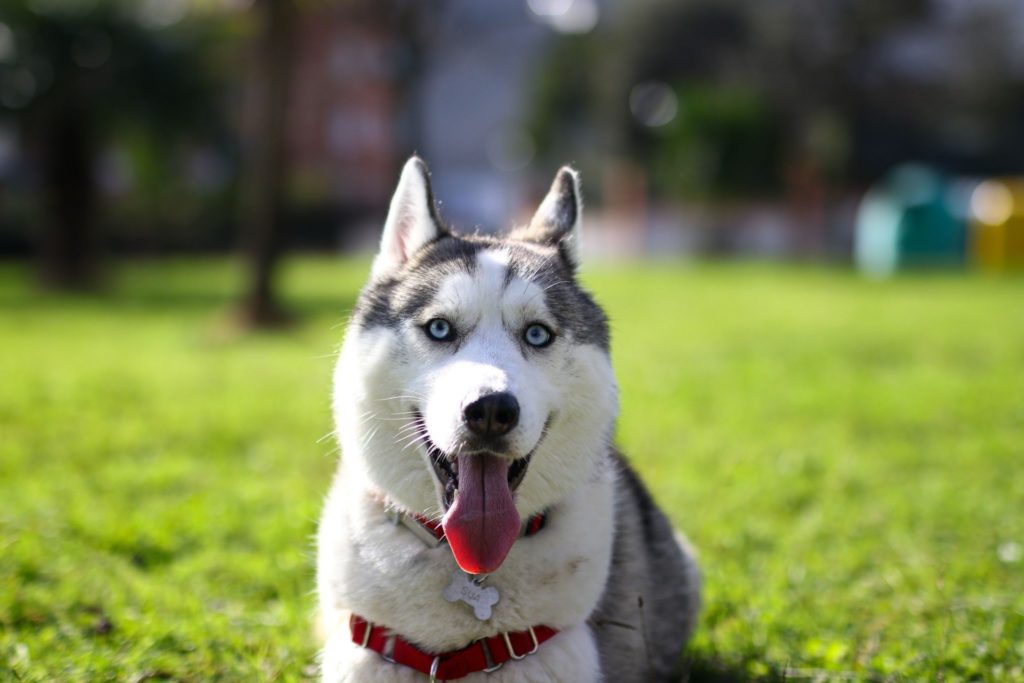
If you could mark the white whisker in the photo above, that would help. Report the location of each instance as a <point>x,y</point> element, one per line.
<point>326,436</point>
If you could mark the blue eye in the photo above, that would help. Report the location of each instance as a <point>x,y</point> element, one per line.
<point>440,329</point>
<point>538,335</point>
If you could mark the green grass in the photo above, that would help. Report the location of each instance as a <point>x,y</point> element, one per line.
<point>846,455</point>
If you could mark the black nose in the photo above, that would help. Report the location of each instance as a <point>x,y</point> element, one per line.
<point>492,415</point>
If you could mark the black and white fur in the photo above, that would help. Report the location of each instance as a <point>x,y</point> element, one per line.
<point>607,570</point>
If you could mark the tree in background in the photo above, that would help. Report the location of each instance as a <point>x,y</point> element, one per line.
<point>73,75</point>
<point>268,115</point>
<point>264,160</point>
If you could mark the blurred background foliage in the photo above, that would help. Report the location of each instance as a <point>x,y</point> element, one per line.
<point>728,127</point>
<point>108,109</point>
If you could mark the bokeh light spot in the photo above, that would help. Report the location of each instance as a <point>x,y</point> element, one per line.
<point>6,43</point>
<point>992,202</point>
<point>157,14</point>
<point>549,8</point>
<point>18,88</point>
<point>566,16</point>
<point>653,103</point>
<point>1010,552</point>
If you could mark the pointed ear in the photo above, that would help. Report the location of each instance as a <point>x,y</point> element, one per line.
<point>412,221</point>
<point>557,221</point>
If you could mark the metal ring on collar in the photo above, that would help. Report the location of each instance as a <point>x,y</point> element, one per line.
<point>366,633</point>
<point>433,668</point>
<point>491,666</point>
<point>389,649</point>
<point>511,650</point>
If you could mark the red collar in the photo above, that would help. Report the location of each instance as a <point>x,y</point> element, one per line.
<point>434,533</point>
<point>485,654</point>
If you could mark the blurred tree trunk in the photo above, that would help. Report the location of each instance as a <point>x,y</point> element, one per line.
<point>415,26</point>
<point>264,159</point>
<point>61,139</point>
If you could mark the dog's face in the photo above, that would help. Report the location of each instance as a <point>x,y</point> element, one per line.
<point>474,382</point>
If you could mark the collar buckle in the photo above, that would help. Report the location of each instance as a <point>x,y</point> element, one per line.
<point>398,517</point>
<point>512,651</point>
<point>491,666</point>
<point>366,633</point>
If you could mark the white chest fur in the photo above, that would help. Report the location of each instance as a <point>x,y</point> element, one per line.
<point>386,574</point>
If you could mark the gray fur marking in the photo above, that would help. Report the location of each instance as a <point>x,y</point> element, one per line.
<point>652,597</point>
<point>395,300</point>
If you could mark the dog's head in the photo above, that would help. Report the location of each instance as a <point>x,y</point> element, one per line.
<point>474,381</point>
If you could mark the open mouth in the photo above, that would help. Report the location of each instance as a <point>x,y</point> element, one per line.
<point>480,522</point>
<point>446,468</point>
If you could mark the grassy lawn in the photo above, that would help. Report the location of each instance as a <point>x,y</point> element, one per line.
<point>846,455</point>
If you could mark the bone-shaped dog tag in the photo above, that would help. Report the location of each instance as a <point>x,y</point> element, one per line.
<point>462,588</point>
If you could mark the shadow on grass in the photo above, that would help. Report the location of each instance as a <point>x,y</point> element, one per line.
<point>697,669</point>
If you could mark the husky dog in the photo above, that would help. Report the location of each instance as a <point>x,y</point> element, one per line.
<point>481,526</point>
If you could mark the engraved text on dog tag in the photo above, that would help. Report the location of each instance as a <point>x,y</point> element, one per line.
<point>462,588</point>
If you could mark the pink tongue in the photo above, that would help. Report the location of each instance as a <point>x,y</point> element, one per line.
<point>482,523</point>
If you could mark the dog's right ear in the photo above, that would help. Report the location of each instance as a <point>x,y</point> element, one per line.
<point>412,221</point>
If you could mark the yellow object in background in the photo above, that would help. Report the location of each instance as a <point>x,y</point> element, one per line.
<point>997,224</point>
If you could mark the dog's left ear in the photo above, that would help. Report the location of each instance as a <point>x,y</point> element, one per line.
<point>412,221</point>
<point>557,221</point>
